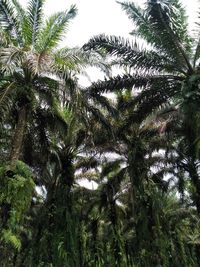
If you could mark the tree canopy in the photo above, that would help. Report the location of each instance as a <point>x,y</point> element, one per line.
<point>139,148</point>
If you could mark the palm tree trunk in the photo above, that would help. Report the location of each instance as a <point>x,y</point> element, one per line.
<point>196,183</point>
<point>18,135</point>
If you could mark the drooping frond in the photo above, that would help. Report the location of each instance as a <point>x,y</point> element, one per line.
<point>86,163</point>
<point>158,26</point>
<point>52,32</point>
<point>9,22</point>
<point>104,103</point>
<point>66,60</point>
<point>34,20</point>
<point>76,59</point>
<point>158,92</point>
<point>53,120</point>
<point>46,90</point>
<point>155,85</point>
<point>10,58</point>
<point>130,53</point>
<point>6,89</point>
<point>4,38</point>
<point>117,83</point>
<point>98,60</point>
<point>46,84</point>
<point>99,116</point>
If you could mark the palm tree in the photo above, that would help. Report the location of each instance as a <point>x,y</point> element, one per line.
<point>166,72</point>
<point>29,59</point>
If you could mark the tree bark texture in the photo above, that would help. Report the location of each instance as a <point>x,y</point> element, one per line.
<point>19,133</point>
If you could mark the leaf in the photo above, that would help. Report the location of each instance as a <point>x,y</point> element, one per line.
<point>12,239</point>
<point>130,54</point>
<point>9,21</point>
<point>34,20</point>
<point>5,92</point>
<point>164,26</point>
<point>52,32</point>
<point>23,20</point>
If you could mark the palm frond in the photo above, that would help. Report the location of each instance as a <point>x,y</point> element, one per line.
<point>9,22</point>
<point>197,53</point>
<point>130,53</point>
<point>66,60</point>
<point>21,13</point>
<point>117,83</point>
<point>104,103</point>
<point>170,21</point>
<point>160,84</point>
<point>53,120</point>
<point>76,59</point>
<point>158,27</point>
<point>159,91</point>
<point>99,116</point>
<point>10,58</point>
<point>23,20</point>
<point>4,38</point>
<point>98,60</point>
<point>196,42</point>
<point>46,89</point>
<point>110,167</point>
<point>86,163</point>
<point>5,92</point>
<point>34,20</point>
<point>46,84</point>
<point>55,26</point>
<point>175,15</point>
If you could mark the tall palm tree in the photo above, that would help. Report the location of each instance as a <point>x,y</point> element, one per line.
<point>165,72</point>
<point>29,59</point>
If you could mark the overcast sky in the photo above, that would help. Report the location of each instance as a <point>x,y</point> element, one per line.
<point>100,16</point>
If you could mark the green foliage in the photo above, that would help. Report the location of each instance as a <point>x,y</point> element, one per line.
<point>141,148</point>
<point>16,195</point>
<point>9,238</point>
<point>52,33</point>
<point>8,20</point>
<point>34,19</point>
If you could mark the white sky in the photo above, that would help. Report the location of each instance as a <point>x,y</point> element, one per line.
<point>100,16</point>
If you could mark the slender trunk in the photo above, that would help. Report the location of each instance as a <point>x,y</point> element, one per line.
<point>196,183</point>
<point>18,135</point>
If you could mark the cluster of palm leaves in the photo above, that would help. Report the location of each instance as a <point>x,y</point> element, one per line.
<point>140,148</point>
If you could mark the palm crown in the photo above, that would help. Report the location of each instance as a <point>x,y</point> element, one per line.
<point>29,56</point>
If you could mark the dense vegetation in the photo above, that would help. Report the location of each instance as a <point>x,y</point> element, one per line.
<point>140,147</point>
